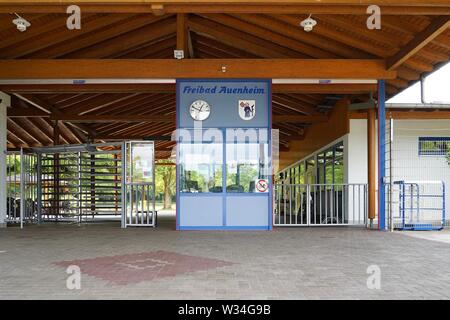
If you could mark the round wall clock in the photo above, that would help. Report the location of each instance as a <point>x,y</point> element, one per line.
<point>200,110</point>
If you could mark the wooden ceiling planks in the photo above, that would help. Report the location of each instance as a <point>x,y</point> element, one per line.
<point>230,33</point>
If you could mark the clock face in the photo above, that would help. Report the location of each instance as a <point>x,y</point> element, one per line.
<point>200,110</point>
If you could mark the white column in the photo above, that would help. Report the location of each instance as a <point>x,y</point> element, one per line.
<point>5,101</point>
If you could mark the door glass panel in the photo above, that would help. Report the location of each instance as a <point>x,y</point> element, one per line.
<point>140,162</point>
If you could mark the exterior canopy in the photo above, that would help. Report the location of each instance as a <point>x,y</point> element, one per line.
<point>125,40</point>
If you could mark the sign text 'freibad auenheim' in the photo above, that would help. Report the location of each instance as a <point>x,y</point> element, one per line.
<point>216,89</point>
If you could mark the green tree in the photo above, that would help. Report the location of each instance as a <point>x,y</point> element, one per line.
<point>165,181</point>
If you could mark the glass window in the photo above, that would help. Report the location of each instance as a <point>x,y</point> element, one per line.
<point>434,146</point>
<point>246,163</point>
<point>201,167</point>
<point>301,177</point>
<point>310,171</point>
<point>339,163</point>
<point>321,168</point>
<point>329,166</point>
<point>140,162</point>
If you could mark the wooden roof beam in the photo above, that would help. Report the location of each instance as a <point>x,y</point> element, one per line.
<point>14,112</point>
<point>182,34</point>
<point>50,108</point>
<point>194,68</point>
<point>436,27</point>
<point>299,118</point>
<point>433,7</point>
<point>109,118</point>
<point>22,134</point>
<point>352,88</point>
<point>133,137</point>
<point>171,118</point>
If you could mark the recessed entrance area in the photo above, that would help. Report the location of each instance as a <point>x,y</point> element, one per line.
<point>231,149</point>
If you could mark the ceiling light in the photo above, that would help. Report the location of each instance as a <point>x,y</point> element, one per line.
<point>308,24</point>
<point>21,23</point>
<point>178,54</point>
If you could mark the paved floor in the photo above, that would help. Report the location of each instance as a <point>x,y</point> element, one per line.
<point>442,236</point>
<point>308,263</point>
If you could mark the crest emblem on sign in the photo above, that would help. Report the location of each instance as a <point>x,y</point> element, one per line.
<point>247,109</point>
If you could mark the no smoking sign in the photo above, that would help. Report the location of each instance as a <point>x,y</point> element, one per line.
<point>262,185</point>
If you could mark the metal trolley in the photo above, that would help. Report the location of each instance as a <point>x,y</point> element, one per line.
<point>421,205</point>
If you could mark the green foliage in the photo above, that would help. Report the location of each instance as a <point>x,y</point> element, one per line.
<point>165,181</point>
<point>12,165</point>
<point>247,173</point>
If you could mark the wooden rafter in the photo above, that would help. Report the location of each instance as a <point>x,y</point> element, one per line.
<point>436,27</point>
<point>51,109</point>
<point>223,31</point>
<point>102,35</point>
<point>301,6</point>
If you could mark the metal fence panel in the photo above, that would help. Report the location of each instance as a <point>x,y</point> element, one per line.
<point>21,185</point>
<point>320,204</point>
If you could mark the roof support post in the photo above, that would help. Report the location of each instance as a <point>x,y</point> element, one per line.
<point>5,101</point>
<point>56,172</point>
<point>381,153</point>
<point>371,164</point>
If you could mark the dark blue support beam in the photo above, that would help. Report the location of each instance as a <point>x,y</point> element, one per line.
<point>381,154</point>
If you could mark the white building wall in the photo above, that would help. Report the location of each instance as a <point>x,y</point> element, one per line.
<point>406,162</point>
<point>356,152</point>
<point>356,168</point>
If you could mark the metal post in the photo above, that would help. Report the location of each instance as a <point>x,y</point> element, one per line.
<point>443,204</point>
<point>92,185</point>
<point>39,188</point>
<point>80,189</point>
<point>391,185</point>
<point>308,204</point>
<point>123,186</point>
<point>22,187</point>
<point>154,187</point>
<point>381,153</point>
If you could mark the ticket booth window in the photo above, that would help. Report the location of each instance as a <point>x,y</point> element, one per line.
<point>200,168</point>
<point>246,164</point>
